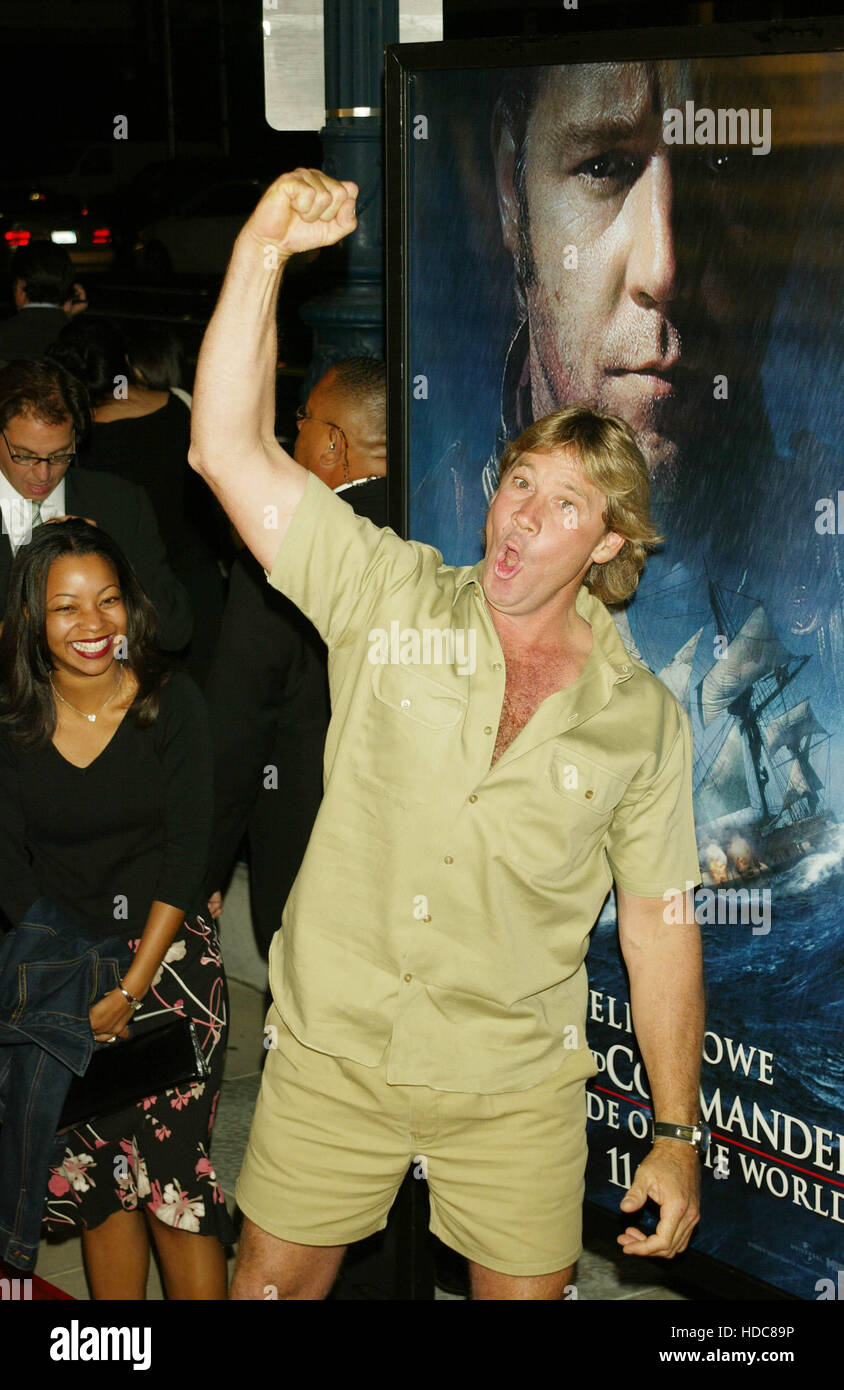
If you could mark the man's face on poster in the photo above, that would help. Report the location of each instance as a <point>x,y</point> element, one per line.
<point>638,260</point>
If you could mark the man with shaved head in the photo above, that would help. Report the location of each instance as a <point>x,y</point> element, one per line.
<point>268,689</point>
<point>353,393</point>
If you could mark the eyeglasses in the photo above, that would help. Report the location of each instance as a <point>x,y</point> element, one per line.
<point>29,460</point>
<point>302,416</point>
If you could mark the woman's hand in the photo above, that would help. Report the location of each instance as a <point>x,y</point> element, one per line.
<point>109,1017</point>
<point>215,905</point>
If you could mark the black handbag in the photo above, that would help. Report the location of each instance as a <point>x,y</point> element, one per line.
<point>121,1075</point>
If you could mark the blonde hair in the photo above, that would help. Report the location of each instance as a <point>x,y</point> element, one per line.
<point>612,461</point>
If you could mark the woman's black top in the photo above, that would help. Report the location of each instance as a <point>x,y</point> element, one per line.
<point>152,450</point>
<point>106,841</point>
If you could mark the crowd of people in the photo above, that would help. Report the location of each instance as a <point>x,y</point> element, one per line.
<point>134,699</point>
<point>139,719</point>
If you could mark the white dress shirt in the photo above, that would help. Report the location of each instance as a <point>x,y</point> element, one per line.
<point>16,511</point>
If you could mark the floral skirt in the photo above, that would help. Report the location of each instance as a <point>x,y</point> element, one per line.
<point>154,1155</point>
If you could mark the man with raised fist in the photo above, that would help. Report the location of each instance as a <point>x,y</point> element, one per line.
<point>428,978</point>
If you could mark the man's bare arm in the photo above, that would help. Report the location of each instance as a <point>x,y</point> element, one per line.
<point>233,444</point>
<point>663,959</point>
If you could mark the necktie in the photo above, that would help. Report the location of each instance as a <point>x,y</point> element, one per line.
<point>36,519</point>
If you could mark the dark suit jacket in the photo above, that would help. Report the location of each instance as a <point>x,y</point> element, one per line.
<point>30,332</point>
<point>269,705</point>
<point>125,512</point>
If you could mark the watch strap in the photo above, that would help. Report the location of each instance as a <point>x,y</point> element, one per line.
<point>687,1134</point>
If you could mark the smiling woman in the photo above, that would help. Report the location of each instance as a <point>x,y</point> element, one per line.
<point>83,597</point>
<point>105,794</point>
<point>72,594</point>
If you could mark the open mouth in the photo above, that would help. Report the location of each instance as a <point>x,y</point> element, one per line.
<point>508,562</point>
<point>93,649</point>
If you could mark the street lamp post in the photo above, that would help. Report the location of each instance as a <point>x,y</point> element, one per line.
<point>348,320</point>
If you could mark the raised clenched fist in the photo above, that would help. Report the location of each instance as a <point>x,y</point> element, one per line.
<point>303,211</point>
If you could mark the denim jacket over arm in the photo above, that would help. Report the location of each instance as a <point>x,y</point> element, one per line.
<point>50,976</point>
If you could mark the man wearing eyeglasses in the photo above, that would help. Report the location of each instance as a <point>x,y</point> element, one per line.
<point>354,392</point>
<point>37,478</point>
<point>43,416</point>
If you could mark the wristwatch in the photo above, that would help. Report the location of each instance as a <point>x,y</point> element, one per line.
<point>696,1135</point>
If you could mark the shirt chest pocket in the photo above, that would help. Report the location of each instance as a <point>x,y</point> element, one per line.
<point>417,698</point>
<point>413,726</point>
<point>584,783</point>
<point>565,822</point>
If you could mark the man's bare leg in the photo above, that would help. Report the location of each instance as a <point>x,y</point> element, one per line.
<point>268,1267</point>
<point>489,1284</point>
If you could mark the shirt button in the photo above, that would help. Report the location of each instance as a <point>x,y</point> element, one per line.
<point>625,668</point>
<point>589,793</point>
<point>498,666</point>
<point>426,918</point>
<point>407,979</point>
<point>488,729</point>
<point>473,797</point>
<point>448,859</point>
<point>572,717</point>
<point>405,704</point>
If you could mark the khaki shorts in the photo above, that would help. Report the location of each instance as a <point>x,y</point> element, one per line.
<point>331,1142</point>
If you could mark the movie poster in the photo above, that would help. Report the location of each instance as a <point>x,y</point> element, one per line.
<point>661,239</point>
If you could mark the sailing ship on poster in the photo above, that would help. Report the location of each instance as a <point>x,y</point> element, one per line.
<point>759,795</point>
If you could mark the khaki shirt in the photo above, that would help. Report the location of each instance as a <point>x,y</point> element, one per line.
<point>444,905</point>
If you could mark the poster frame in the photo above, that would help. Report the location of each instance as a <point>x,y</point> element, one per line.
<point>822,35</point>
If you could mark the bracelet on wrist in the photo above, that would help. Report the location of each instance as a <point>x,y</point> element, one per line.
<point>135,1003</point>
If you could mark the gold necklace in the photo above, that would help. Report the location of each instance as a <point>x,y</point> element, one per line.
<point>92,718</point>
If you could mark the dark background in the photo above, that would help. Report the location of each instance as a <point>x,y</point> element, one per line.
<point>71,66</point>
